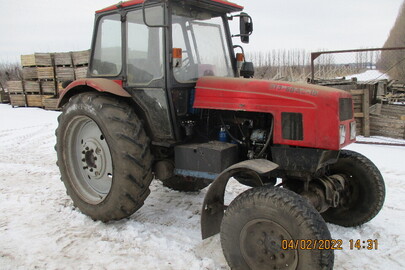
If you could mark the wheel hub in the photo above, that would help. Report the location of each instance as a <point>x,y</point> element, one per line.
<point>260,242</point>
<point>91,160</point>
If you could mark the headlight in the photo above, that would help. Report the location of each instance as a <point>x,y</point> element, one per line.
<point>342,134</point>
<point>352,130</point>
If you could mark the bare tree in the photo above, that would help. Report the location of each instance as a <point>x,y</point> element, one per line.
<point>9,72</point>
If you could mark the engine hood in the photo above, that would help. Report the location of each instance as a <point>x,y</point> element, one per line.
<point>314,108</point>
<point>261,95</point>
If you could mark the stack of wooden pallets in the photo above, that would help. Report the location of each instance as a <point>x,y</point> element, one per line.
<point>81,62</point>
<point>43,75</point>
<point>4,96</point>
<point>37,70</point>
<point>16,92</point>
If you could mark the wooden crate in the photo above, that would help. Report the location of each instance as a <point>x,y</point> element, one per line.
<point>4,97</point>
<point>15,86</point>
<point>50,102</point>
<point>32,87</point>
<point>46,73</point>
<point>65,73</point>
<point>30,73</point>
<point>17,100</point>
<point>34,100</point>
<point>81,58</point>
<point>63,59</point>
<point>37,59</point>
<point>81,72</point>
<point>60,87</point>
<point>48,87</point>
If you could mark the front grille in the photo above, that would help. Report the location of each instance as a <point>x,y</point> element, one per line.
<point>292,126</point>
<point>345,109</point>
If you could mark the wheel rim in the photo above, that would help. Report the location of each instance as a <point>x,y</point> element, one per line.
<point>90,162</point>
<point>260,242</point>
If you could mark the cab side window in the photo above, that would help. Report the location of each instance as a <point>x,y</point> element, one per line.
<point>145,47</point>
<point>107,58</point>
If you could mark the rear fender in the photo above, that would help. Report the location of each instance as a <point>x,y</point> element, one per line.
<point>96,84</point>
<point>213,207</point>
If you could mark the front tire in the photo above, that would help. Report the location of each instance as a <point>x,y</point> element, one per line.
<point>258,220</point>
<point>364,193</point>
<point>103,156</point>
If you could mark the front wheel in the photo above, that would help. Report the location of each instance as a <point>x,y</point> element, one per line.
<point>262,226</point>
<point>103,156</point>
<point>364,192</point>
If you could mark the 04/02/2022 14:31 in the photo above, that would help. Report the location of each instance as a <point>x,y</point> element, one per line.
<point>333,244</point>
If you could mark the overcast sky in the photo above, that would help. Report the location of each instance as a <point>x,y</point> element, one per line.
<point>28,26</point>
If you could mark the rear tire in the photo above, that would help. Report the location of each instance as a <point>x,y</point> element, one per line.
<point>258,220</point>
<point>364,193</point>
<point>103,156</point>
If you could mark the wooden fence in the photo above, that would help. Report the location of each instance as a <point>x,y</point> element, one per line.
<point>388,121</point>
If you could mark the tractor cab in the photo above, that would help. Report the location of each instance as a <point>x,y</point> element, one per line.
<point>157,50</point>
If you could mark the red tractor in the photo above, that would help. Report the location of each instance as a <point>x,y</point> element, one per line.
<point>166,96</point>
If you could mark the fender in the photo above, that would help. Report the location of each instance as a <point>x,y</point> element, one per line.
<point>213,206</point>
<point>98,84</point>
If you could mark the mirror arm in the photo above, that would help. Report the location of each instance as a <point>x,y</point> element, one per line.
<point>241,48</point>
<point>241,35</point>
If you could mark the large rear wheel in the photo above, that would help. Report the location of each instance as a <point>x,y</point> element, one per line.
<point>262,226</point>
<point>103,156</point>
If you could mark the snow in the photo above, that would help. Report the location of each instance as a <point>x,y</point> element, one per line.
<point>369,75</point>
<point>39,228</point>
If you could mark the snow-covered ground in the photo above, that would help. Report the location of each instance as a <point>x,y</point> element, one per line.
<point>40,229</point>
<point>369,75</point>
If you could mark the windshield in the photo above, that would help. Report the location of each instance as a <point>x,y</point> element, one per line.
<point>201,36</point>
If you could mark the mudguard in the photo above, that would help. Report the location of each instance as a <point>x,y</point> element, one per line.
<point>213,206</point>
<point>98,84</point>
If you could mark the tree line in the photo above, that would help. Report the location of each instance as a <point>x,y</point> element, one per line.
<point>393,62</point>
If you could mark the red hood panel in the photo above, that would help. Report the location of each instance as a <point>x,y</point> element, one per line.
<point>247,94</point>
<point>318,105</point>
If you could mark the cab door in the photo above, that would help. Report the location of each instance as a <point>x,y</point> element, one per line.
<point>145,68</point>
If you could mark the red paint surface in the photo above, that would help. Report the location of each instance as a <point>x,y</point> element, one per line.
<point>138,2</point>
<point>123,4</point>
<point>228,4</point>
<point>318,105</point>
<point>119,82</point>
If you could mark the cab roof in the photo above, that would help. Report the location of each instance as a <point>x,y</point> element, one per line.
<point>219,5</point>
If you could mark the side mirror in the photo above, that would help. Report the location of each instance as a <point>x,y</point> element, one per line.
<point>245,26</point>
<point>247,70</point>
